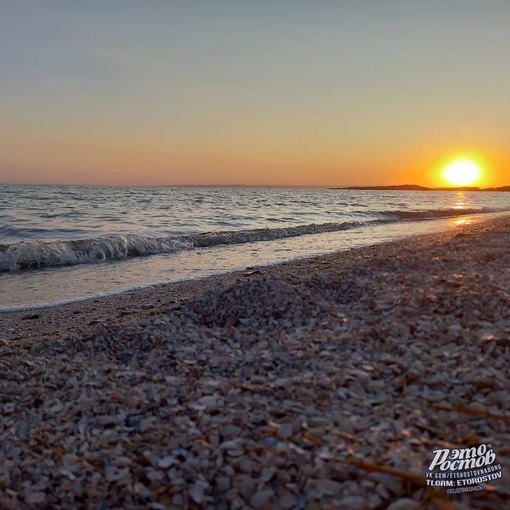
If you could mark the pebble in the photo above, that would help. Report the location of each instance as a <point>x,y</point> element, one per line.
<point>34,498</point>
<point>285,430</point>
<point>261,498</point>
<point>404,504</point>
<point>353,503</point>
<point>31,316</point>
<point>197,493</point>
<point>208,401</point>
<point>113,474</point>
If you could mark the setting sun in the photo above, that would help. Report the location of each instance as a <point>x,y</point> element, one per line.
<point>462,172</point>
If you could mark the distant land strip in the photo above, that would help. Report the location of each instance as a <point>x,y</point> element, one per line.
<point>415,187</point>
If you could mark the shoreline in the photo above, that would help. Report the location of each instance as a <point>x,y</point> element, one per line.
<point>324,383</point>
<point>416,187</point>
<point>143,304</point>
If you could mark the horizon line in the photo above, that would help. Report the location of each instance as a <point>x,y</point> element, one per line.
<point>268,186</point>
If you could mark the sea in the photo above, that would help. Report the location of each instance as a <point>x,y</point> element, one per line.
<point>61,244</point>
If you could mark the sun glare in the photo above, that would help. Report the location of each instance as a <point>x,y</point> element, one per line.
<point>462,172</point>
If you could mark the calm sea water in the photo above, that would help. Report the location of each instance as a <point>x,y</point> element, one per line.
<point>64,243</point>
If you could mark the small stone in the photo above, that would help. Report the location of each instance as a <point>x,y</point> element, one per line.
<point>223,483</point>
<point>261,498</point>
<point>382,491</point>
<point>231,431</point>
<point>267,474</point>
<point>389,482</point>
<point>482,382</point>
<point>30,317</point>
<point>318,421</point>
<point>207,401</point>
<point>33,498</point>
<point>353,503</point>
<point>197,493</point>
<point>285,430</point>
<point>146,424</point>
<point>328,487</point>
<point>287,500</point>
<point>166,462</point>
<point>229,445</point>
<point>9,407</point>
<point>157,506</point>
<point>404,504</point>
<point>113,474</point>
<point>141,490</point>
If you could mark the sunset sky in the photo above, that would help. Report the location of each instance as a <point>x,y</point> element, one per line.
<point>354,92</point>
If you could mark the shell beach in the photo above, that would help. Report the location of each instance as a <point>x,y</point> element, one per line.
<point>321,383</point>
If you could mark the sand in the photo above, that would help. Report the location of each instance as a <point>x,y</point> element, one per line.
<point>321,383</point>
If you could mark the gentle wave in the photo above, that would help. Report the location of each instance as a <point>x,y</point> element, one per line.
<point>435,213</point>
<point>44,254</point>
<point>40,254</point>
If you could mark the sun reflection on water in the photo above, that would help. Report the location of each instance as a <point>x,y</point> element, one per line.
<point>460,201</point>
<point>460,222</point>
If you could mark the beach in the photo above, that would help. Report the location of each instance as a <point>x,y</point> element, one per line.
<point>318,383</point>
<point>109,240</point>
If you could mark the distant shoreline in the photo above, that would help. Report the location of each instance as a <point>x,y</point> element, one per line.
<point>415,187</point>
<point>403,187</point>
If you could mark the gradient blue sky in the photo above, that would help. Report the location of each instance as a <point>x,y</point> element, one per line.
<point>252,92</point>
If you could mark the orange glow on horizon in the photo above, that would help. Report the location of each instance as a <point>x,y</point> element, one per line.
<point>30,156</point>
<point>483,168</point>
